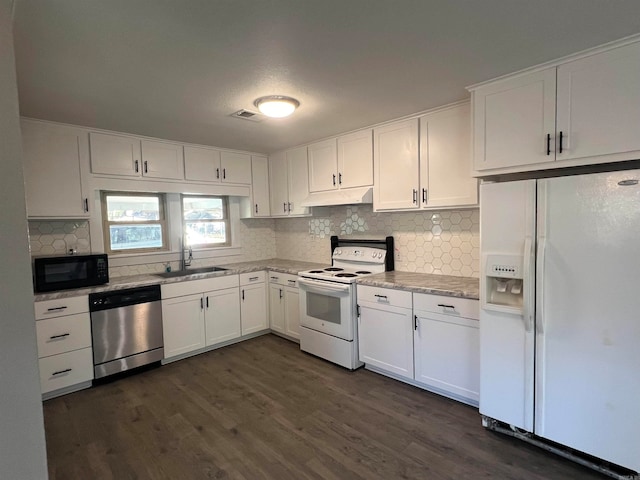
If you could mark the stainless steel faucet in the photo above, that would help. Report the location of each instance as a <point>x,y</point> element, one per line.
<point>185,262</point>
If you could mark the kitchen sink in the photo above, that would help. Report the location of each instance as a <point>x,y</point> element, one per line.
<point>190,271</point>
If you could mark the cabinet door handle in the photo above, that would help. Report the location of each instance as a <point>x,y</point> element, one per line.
<point>60,372</point>
<point>274,278</point>
<point>256,208</point>
<point>56,309</point>
<point>86,205</point>
<point>415,322</point>
<point>62,335</point>
<point>146,165</point>
<point>281,293</point>
<point>224,173</point>
<point>284,207</point>
<point>292,281</point>
<point>217,173</point>
<point>339,179</point>
<point>380,296</point>
<point>334,179</point>
<point>253,279</point>
<point>560,147</point>
<point>424,195</point>
<point>415,196</point>
<point>207,302</point>
<point>444,305</point>
<point>201,303</point>
<point>135,166</point>
<point>243,294</point>
<point>548,144</point>
<point>289,207</point>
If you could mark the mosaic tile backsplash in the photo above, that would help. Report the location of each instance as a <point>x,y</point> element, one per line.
<point>445,242</point>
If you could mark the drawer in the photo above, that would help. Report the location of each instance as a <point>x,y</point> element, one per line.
<point>63,334</point>
<point>253,277</point>
<point>192,287</point>
<point>66,369</point>
<point>62,306</point>
<point>285,279</point>
<point>454,306</point>
<point>384,296</point>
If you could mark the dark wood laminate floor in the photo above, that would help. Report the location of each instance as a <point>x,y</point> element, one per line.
<point>261,409</point>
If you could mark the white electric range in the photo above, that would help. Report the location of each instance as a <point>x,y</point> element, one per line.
<point>328,316</point>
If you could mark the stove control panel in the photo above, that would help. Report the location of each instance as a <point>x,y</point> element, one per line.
<point>361,254</point>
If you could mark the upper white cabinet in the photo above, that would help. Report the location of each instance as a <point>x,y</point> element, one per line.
<point>425,163</point>
<point>260,186</point>
<point>396,166</point>
<point>323,166</point>
<point>130,156</point>
<point>236,167</point>
<point>55,164</point>
<point>581,112</point>
<point>202,164</point>
<point>445,159</point>
<point>355,159</point>
<point>343,162</point>
<point>210,165</point>
<point>288,182</point>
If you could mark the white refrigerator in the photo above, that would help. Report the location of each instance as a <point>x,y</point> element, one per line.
<point>560,310</point>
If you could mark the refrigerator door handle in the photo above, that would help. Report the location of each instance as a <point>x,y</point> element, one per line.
<point>542,246</point>
<point>528,280</point>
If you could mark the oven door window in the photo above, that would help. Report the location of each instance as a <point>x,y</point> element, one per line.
<point>324,307</point>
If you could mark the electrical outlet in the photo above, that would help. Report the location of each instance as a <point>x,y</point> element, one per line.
<point>397,255</point>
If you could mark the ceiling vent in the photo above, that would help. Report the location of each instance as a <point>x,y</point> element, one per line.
<point>248,115</point>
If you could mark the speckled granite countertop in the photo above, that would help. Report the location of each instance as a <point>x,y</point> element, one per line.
<point>118,283</point>
<point>465,287</point>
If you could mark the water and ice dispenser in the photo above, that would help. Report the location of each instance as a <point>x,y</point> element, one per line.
<point>503,277</point>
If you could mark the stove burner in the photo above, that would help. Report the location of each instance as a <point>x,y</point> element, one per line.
<point>346,275</point>
<point>363,272</point>
<point>333,269</point>
<point>315,271</point>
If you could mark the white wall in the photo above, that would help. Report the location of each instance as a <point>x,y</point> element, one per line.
<point>22,443</point>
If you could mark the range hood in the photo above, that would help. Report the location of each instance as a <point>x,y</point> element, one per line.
<point>348,196</point>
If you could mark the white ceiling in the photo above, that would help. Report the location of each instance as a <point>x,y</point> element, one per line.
<point>177,69</point>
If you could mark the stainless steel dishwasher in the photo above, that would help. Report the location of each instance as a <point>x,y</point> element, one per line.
<point>126,328</point>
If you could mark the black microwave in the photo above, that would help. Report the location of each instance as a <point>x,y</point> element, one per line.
<point>70,271</point>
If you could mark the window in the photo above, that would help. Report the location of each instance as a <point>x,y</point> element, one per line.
<point>206,221</point>
<point>134,222</point>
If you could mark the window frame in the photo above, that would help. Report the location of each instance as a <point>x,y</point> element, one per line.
<point>226,219</point>
<point>106,223</point>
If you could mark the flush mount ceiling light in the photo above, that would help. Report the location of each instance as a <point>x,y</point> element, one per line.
<point>276,106</point>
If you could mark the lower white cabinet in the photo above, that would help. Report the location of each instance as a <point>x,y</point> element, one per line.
<point>284,308</point>
<point>65,356</point>
<point>431,341</point>
<point>199,313</point>
<point>253,302</point>
<point>222,316</point>
<point>447,345</point>
<point>385,330</point>
<point>183,324</point>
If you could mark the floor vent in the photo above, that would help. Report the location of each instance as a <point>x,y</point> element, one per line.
<point>247,115</point>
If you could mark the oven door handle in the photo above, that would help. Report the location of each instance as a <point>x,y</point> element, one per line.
<point>321,287</point>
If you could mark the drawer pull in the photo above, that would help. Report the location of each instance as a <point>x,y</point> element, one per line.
<point>443,305</point>
<point>60,372</point>
<point>53,337</point>
<point>380,296</point>
<point>291,281</point>
<point>274,278</point>
<point>253,279</point>
<point>55,309</point>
